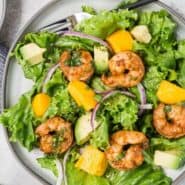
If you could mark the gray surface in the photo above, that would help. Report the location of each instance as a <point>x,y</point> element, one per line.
<point>2,11</point>
<point>19,11</point>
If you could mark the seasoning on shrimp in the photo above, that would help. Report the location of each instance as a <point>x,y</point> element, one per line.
<point>169,120</point>
<point>77,65</point>
<point>55,135</point>
<point>126,68</point>
<point>131,158</point>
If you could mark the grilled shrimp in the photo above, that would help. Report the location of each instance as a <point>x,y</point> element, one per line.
<point>133,156</point>
<point>126,69</point>
<point>55,135</point>
<point>77,65</point>
<point>169,120</point>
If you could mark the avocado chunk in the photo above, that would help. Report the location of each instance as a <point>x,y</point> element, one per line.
<point>98,85</point>
<point>83,128</point>
<point>101,59</point>
<point>169,159</point>
<point>32,53</point>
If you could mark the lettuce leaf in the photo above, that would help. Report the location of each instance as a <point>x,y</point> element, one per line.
<point>72,42</point>
<point>179,53</point>
<point>161,26</point>
<point>126,2</point>
<point>181,73</point>
<point>52,54</point>
<point>162,29</point>
<point>180,56</point>
<point>76,176</point>
<point>152,80</point>
<point>20,121</point>
<point>62,104</point>
<point>146,126</point>
<point>48,162</point>
<point>168,144</point>
<point>106,22</point>
<point>100,137</point>
<point>89,9</point>
<point>142,175</point>
<point>121,110</point>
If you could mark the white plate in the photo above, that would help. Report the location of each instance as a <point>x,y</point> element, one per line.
<point>15,84</point>
<point>2,11</point>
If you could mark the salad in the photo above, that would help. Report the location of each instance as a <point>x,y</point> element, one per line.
<point>107,104</point>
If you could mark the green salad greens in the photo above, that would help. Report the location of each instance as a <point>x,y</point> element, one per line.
<point>108,124</point>
<point>114,110</point>
<point>106,22</point>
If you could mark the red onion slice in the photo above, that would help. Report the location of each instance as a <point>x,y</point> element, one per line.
<point>146,106</point>
<point>60,172</point>
<point>93,115</point>
<point>102,92</point>
<point>107,95</point>
<point>50,73</point>
<point>66,156</point>
<point>142,94</point>
<point>90,37</point>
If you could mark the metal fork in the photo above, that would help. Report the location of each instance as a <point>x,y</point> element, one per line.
<point>69,22</point>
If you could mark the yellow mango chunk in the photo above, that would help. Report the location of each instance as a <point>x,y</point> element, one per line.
<point>120,41</point>
<point>170,93</point>
<point>92,161</point>
<point>82,94</point>
<point>40,104</point>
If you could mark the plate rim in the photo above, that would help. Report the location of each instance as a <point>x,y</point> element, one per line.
<point>3,89</point>
<point>4,2</point>
<point>5,74</point>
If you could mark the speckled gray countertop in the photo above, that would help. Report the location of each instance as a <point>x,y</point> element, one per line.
<point>18,12</point>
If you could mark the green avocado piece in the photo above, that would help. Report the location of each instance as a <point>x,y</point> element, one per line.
<point>169,159</point>
<point>32,53</point>
<point>101,59</point>
<point>83,128</point>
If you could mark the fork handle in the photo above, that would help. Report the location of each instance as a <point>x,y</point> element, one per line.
<point>137,4</point>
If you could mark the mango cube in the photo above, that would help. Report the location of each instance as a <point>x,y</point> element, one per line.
<point>120,41</point>
<point>92,161</point>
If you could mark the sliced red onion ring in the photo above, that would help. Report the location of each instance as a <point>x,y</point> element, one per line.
<point>50,73</point>
<point>146,106</point>
<point>93,115</point>
<point>102,92</point>
<point>81,150</point>
<point>86,36</point>
<point>60,172</point>
<point>66,156</point>
<point>107,95</point>
<point>142,94</point>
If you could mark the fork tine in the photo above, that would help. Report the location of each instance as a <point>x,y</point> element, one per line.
<point>60,32</point>
<point>65,20</point>
<point>50,27</point>
<point>59,27</point>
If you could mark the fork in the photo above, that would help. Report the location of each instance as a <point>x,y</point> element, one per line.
<point>69,22</point>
